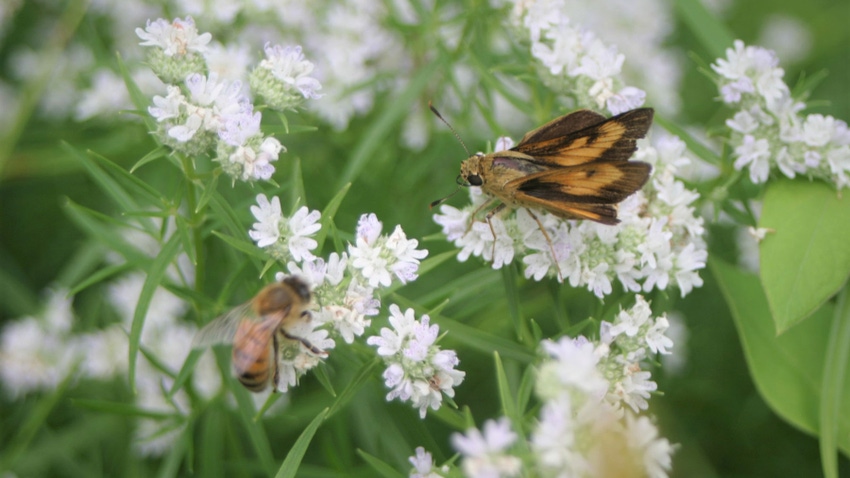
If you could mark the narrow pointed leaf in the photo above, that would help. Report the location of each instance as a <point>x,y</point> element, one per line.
<point>296,453</point>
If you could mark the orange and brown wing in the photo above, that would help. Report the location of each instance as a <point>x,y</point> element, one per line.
<point>587,191</point>
<point>584,136</point>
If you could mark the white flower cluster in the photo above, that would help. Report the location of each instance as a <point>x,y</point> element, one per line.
<point>424,466</point>
<point>658,243</point>
<point>346,286</point>
<point>34,351</point>
<point>574,59</point>
<point>37,353</point>
<point>484,454</point>
<point>179,49</point>
<point>641,30</point>
<point>203,112</point>
<point>768,131</point>
<point>583,429</point>
<point>417,369</point>
<point>282,78</point>
<point>583,387</point>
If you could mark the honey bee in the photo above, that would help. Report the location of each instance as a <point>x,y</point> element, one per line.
<point>257,328</point>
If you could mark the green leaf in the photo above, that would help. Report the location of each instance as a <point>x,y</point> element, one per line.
<point>505,394</point>
<point>157,153</point>
<point>297,192</point>
<point>32,424</point>
<point>155,276</point>
<point>329,213</point>
<point>112,188</point>
<point>787,369</point>
<point>208,190</point>
<point>120,408</point>
<point>474,337</point>
<point>387,120</point>
<point>359,380</point>
<point>834,375</point>
<point>104,229</point>
<point>140,100</point>
<point>296,453</point>
<point>694,145</point>
<point>381,467</point>
<point>256,434</point>
<point>806,260</point>
<point>242,245</point>
<point>185,371</point>
<point>131,183</point>
<point>710,31</point>
<point>512,297</point>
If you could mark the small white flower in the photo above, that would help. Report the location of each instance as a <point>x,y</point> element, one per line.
<point>176,38</point>
<point>754,153</point>
<point>484,453</point>
<point>642,436</point>
<point>268,214</point>
<point>424,466</point>
<point>303,224</point>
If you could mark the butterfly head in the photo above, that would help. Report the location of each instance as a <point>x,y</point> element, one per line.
<point>470,170</point>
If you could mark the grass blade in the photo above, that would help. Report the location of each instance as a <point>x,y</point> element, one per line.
<point>155,276</point>
<point>296,453</point>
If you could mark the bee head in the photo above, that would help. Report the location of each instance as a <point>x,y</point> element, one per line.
<point>299,287</point>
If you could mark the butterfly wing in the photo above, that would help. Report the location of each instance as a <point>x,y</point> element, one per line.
<point>585,136</point>
<point>586,191</point>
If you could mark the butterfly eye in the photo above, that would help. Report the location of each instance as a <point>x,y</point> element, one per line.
<point>474,180</point>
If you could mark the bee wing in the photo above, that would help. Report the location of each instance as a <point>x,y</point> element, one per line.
<point>585,136</point>
<point>587,191</point>
<point>222,329</point>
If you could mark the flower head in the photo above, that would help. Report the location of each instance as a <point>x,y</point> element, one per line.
<point>417,369</point>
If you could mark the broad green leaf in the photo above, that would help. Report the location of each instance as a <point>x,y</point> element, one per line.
<point>296,453</point>
<point>805,260</point>
<point>787,369</point>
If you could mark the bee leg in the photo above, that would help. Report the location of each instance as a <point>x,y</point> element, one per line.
<point>312,348</point>
<point>496,210</point>
<point>275,365</point>
<point>548,241</point>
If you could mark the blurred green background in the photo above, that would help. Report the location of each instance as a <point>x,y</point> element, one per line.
<point>710,407</point>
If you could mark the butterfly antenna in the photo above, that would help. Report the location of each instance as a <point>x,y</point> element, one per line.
<point>434,110</point>
<point>441,201</point>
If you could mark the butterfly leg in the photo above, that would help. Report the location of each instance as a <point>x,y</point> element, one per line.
<point>483,206</point>
<point>496,210</point>
<point>548,241</point>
